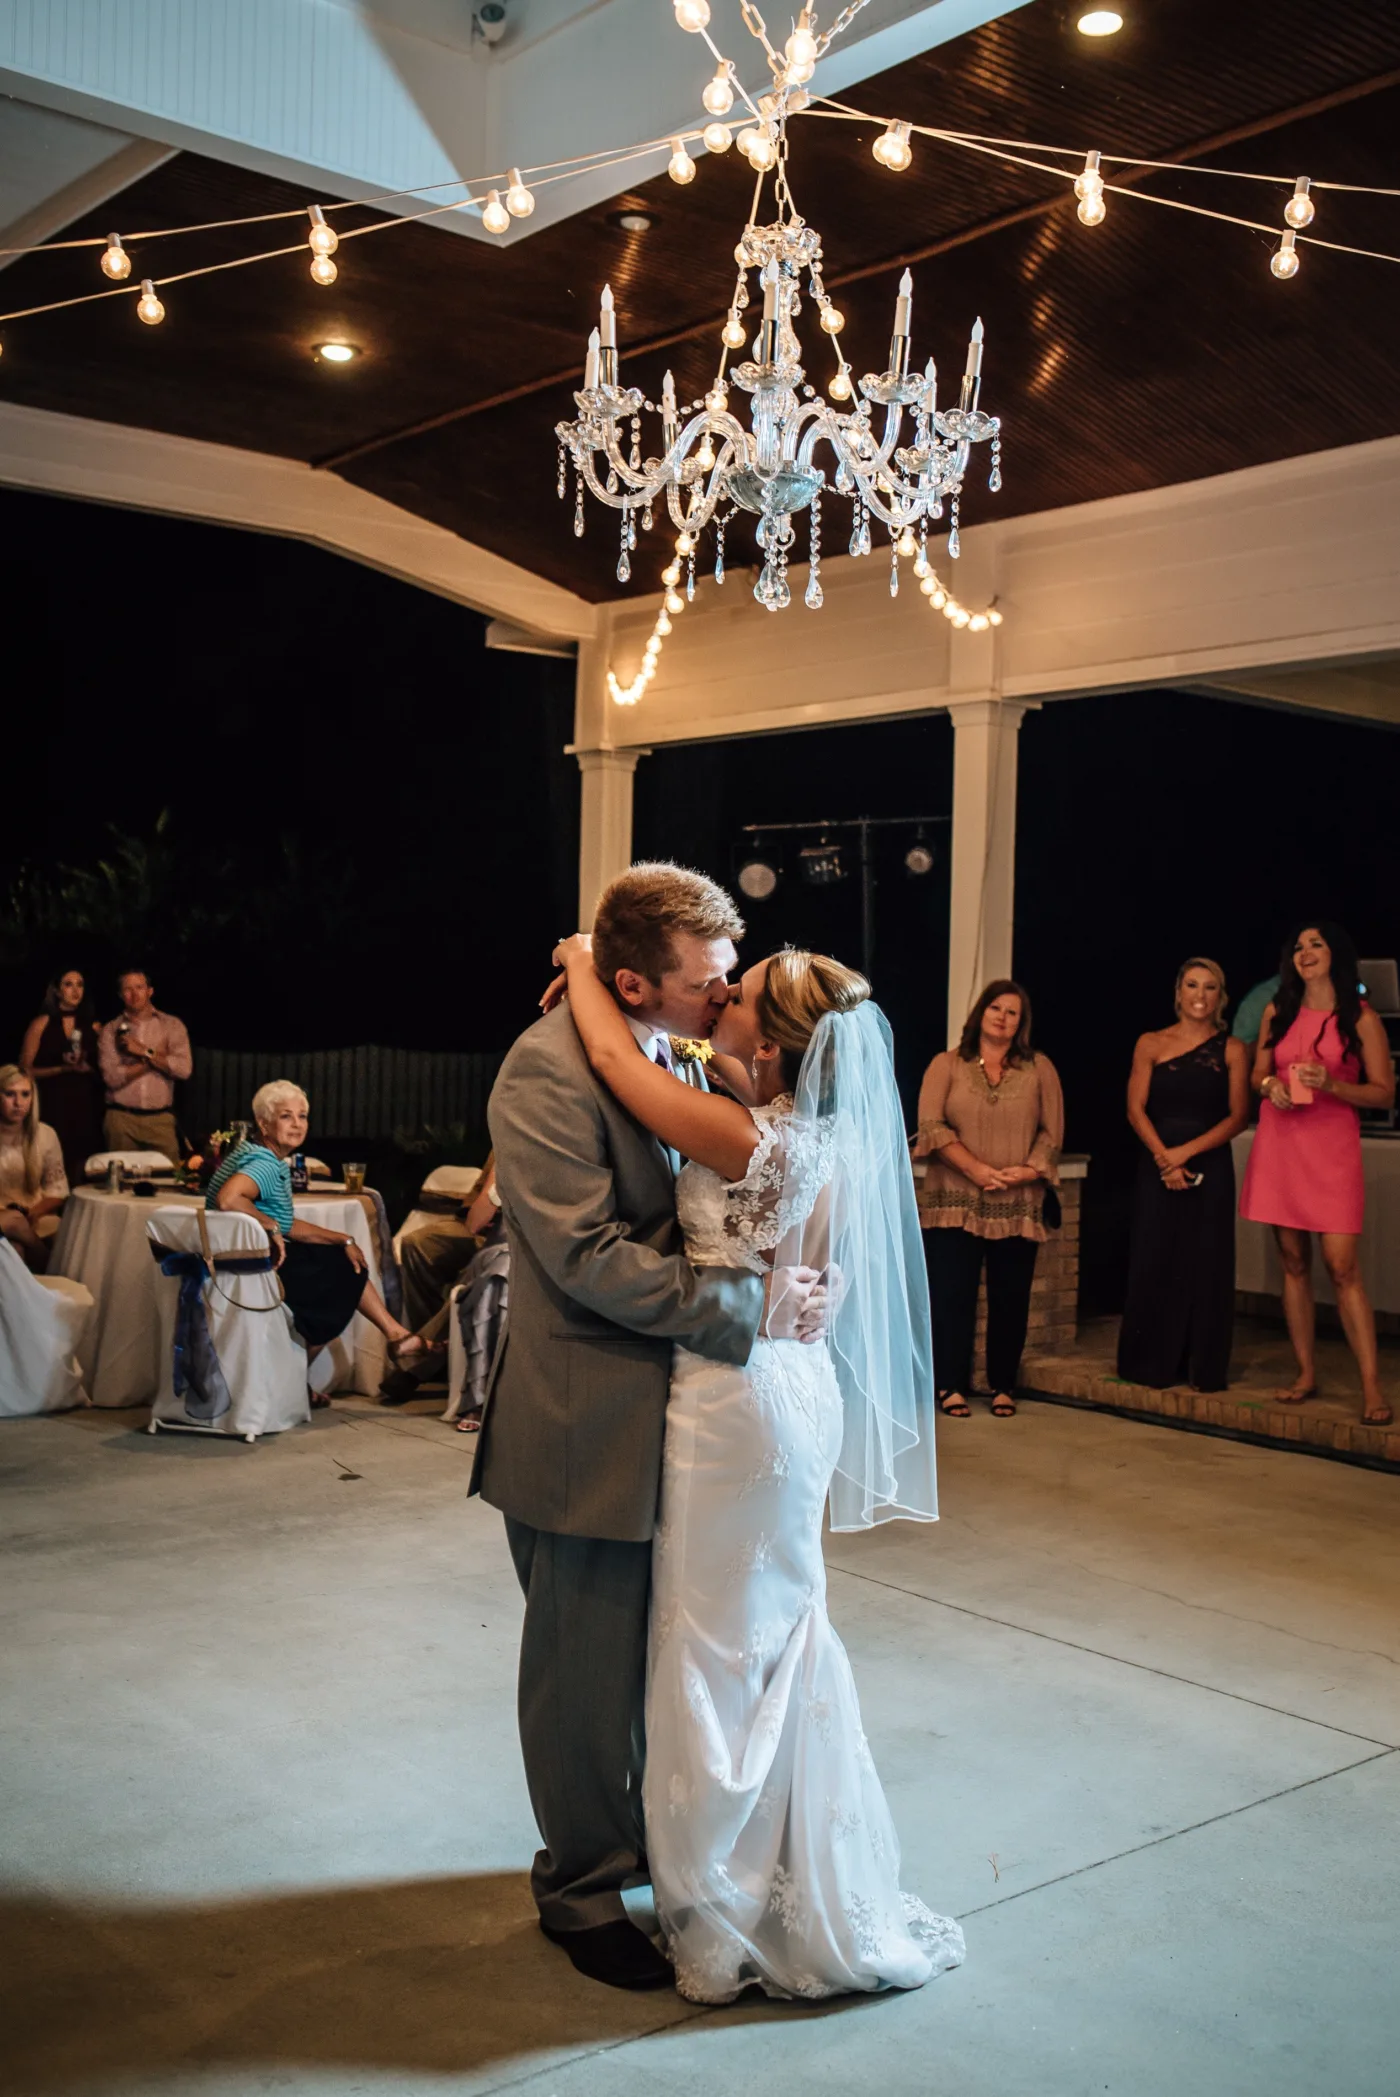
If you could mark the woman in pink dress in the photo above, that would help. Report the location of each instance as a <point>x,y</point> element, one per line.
<point>1322,1054</point>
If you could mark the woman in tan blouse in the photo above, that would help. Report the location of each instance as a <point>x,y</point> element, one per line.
<point>991,1123</point>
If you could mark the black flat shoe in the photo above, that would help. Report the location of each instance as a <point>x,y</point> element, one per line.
<point>614,1953</point>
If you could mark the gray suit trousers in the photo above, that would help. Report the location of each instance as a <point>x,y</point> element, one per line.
<point>581,1705</point>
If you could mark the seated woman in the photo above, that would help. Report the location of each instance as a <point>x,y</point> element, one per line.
<point>33,1185</point>
<point>323,1271</point>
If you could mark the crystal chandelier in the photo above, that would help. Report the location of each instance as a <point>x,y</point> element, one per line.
<point>797,447</point>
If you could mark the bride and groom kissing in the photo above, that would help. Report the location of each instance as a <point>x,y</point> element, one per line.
<point>718,1325</point>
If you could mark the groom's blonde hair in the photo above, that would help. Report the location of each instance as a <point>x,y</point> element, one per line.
<point>639,914</point>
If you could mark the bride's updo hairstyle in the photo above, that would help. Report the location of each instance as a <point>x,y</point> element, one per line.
<point>799,989</point>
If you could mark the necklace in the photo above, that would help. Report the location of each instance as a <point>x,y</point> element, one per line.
<point>993,1091</point>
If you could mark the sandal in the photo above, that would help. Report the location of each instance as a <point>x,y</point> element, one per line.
<point>1003,1406</point>
<point>1293,1396</point>
<point>319,1399</point>
<point>470,1423</point>
<point>955,1406</point>
<point>1381,1419</point>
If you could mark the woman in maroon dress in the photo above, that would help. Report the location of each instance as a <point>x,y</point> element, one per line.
<point>1322,1054</point>
<point>60,1052</point>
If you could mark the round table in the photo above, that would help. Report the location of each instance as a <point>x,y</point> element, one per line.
<point>102,1243</point>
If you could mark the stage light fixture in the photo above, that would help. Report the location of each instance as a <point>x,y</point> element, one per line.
<point>822,864</point>
<point>337,352</point>
<point>918,859</point>
<point>757,877</point>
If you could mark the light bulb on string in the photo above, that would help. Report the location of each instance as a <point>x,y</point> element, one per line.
<point>323,270</point>
<point>663,625</point>
<point>693,15</point>
<point>762,153</point>
<point>148,306</point>
<point>938,597</point>
<point>833,320</point>
<point>322,239</point>
<point>495,217</point>
<point>1285,259</point>
<point>978,623</point>
<point>705,457</point>
<point>116,263</point>
<point>718,138</point>
<point>800,50</point>
<point>520,201</point>
<point>681,167</point>
<point>718,97</point>
<point>840,387</point>
<point>906,545</point>
<point>671,574</point>
<point>1300,209</point>
<point>732,333</point>
<point>993,616</point>
<point>1092,210</point>
<point>1090,182</point>
<point>684,544</point>
<point>747,140</point>
<point>674,602</point>
<point>929,583</point>
<point>892,148</point>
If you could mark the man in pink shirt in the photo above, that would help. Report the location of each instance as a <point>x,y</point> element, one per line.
<point>141,1054</point>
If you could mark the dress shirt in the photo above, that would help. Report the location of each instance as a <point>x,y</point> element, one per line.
<point>131,1082</point>
<point>654,1042</point>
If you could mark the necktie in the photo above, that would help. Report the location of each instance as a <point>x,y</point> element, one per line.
<point>663,1053</point>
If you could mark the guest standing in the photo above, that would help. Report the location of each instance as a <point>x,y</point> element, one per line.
<point>33,1187</point>
<point>60,1051</point>
<point>991,1123</point>
<point>142,1052</point>
<point>322,1271</point>
<point>1322,1054</point>
<point>1188,1098</point>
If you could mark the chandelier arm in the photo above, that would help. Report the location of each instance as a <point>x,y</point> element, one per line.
<point>584,463</point>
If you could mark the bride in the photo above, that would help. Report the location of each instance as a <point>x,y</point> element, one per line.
<point>773,1856</point>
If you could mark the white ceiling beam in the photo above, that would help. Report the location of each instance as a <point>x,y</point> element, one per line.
<point>218,484</point>
<point>358,100</point>
<point>55,167</point>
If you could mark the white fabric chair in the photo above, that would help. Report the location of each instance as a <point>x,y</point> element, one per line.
<point>262,1357</point>
<point>454,1180</point>
<point>150,1162</point>
<point>42,1318</point>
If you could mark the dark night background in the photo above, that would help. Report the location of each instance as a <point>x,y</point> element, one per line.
<point>371,828</point>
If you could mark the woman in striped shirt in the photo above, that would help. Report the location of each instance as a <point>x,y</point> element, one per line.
<point>323,1271</point>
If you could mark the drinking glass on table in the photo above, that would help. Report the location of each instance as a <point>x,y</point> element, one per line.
<point>354,1179</point>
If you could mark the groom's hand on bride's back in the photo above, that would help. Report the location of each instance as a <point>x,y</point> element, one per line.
<point>794,1304</point>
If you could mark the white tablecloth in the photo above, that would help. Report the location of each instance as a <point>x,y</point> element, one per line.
<point>102,1243</point>
<point>1256,1255</point>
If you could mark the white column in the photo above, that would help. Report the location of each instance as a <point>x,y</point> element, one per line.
<point>605,831</point>
<point>984,849</point>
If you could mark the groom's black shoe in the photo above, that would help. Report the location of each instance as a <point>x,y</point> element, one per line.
<point>615,1953</point>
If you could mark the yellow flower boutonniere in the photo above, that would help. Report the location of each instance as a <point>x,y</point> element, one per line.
<point>683,1051</point>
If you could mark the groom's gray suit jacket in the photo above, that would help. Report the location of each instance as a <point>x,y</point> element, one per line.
<point>599,1288</point>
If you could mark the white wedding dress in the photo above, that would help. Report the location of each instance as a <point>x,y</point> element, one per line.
<point>773,1856</point>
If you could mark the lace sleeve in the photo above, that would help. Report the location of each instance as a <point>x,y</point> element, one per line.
<point>790,1165</point>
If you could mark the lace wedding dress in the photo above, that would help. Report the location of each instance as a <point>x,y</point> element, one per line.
<point>773,1855</point>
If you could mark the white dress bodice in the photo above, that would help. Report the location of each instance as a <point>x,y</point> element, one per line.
<point>735,1223</point>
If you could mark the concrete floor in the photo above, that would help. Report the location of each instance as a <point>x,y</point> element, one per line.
<point>1136,1701</point>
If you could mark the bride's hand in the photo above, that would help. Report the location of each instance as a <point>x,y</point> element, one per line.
<point>570,949</point>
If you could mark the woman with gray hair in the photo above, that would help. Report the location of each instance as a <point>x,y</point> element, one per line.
<point>323,1271</point>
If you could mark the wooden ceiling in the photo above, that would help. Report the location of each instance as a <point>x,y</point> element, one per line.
<point>1153,348</point>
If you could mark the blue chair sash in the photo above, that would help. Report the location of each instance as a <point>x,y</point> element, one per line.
<point>196,1372</point>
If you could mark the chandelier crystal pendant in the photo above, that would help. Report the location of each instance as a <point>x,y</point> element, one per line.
<point>896,456</point>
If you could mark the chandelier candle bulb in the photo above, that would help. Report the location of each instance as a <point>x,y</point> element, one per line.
<point>520,201</point>
<point>607,338</point>
<point>590,364</point>
<point>322,239</point>
<point>972,371</point>
<point>116,263</point>
<point>1299,211</point>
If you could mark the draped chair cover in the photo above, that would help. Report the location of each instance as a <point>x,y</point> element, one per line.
<point>258,1360</point>
<point>41,1325</point>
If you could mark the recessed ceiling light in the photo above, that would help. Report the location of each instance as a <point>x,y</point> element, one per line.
<point>634,221</point>
<point>1100,21</point>
<point>337,352</point>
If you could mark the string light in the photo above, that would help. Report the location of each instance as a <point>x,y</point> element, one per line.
<point>833,320</point>
<point>520,201</point>
<point>149,307</point>
<point>840,386</point>
<point>892,149</point>
<point>1300,209</point>
<point>1285,259</point>
<point>681,168</point>
<point>1093,211</point>
<point>1090,182</point>
<point>732,334</point>
<point>693,15</point>
<point>494,216</point>
<point>718,97</point>
<point>717,138</point>
<point>322,239</point>
<point>800,50</point>
<point>116,263</point>
<point>323,270</point>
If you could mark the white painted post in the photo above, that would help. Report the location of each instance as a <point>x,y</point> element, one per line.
<point>605,832</point>
<point>985,734</point>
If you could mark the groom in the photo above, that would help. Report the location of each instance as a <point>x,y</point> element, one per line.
<point>570,1447</point>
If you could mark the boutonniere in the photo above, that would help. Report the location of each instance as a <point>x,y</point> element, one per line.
<point>683,1051</point>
